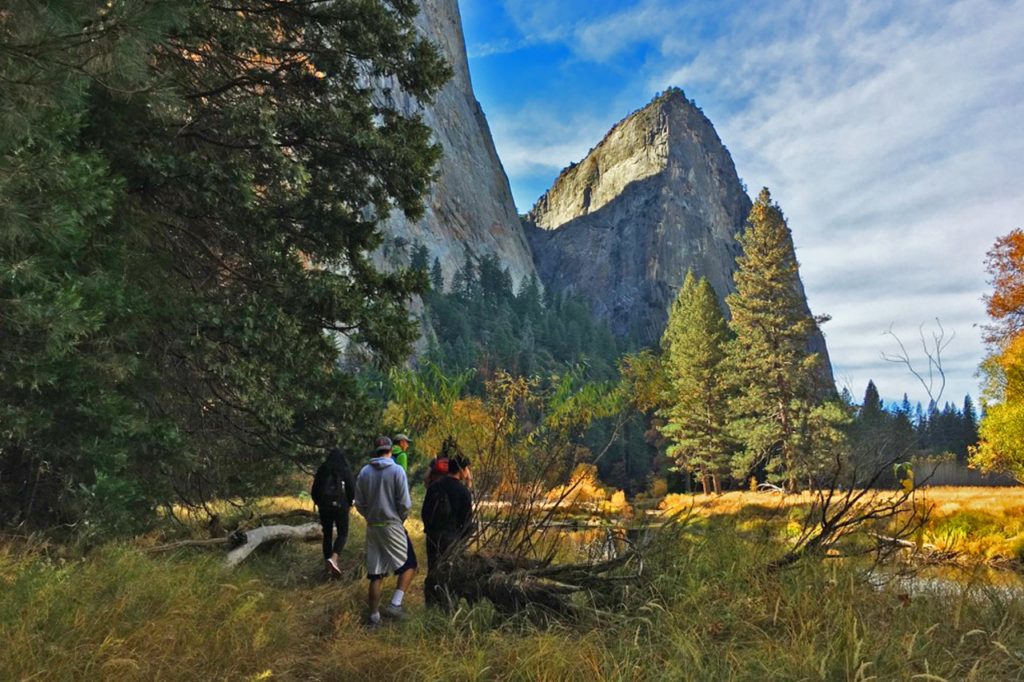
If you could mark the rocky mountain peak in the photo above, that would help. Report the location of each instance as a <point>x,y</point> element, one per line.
<point>657,197</point>
<point>642,145</point>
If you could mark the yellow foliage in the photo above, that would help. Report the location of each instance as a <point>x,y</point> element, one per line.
<point>584,492</point>
<point>1001,432</point>
<point>616,505</point>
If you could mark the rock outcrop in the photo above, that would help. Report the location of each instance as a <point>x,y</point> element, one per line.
<point>470,206</point>
<point>657,197</point>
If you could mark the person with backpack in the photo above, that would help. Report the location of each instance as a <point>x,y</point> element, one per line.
<point>332,492</point>
<point>447,520</point>
<point>382,497</point>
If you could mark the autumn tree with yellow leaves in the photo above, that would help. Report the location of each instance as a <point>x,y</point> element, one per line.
<point>1001,447</point>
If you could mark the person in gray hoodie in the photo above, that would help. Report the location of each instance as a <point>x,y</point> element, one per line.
<point>382,498</point>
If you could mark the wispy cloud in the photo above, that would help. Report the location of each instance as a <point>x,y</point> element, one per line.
<point>893,146</point>
<point>889,132</point>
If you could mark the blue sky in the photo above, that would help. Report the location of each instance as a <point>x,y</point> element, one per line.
<point>891,133</point>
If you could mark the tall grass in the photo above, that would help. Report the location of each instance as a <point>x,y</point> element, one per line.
<point>710,612</point>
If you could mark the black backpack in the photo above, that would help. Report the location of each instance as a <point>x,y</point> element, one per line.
<point>331,492</point>
<point>438,510</point>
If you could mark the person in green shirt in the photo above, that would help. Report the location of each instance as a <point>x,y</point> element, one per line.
<point>400,453</point>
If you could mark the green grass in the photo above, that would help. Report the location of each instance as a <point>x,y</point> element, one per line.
<point>711,612</point>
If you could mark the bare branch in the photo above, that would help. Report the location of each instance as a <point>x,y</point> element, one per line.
<point>932,351</point>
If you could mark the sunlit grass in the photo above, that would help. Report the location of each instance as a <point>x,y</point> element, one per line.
<point>711,611</point>
<point>983,521</point>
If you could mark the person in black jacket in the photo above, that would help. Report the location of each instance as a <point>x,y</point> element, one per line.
<point>447,519</point>
<point>332,492</point>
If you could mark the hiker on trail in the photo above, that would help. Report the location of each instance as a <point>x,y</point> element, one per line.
<point>400,452</point>
<point>332,492</point>
<point>382,497</point>
<point>447,520</point>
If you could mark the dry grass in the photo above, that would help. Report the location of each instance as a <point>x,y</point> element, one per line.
<point>712,612</point>
<point>983,521</point>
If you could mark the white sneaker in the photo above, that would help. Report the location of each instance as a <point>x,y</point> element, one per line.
<point>332,566</point>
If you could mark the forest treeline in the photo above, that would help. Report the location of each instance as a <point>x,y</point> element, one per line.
<point>710,419</point>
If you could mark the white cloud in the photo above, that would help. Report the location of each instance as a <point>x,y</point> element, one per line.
<point>889,133</point>
<point>896,160</point>
<point>532,138</point>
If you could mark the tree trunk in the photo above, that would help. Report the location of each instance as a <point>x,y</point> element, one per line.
<point>704,478</point>
<point>717,482</point>
<point>257,536</point>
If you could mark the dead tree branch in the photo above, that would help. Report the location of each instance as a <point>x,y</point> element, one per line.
<point>837,515</point>
<point>933,355</point>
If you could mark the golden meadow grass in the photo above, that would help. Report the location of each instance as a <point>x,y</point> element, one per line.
<point>983,521</point>
<point>712,613</point>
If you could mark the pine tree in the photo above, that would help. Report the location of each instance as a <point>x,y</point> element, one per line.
<point>420,258</point>
<point>436,277</point>
<point>696,403</point>
<point>466,284</point>
<point>968,428</point>
<point>871,407</point>
<point>529,302</point>
<point>769,362</point>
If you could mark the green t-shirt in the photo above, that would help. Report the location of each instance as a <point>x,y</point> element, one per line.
<point>401,457</point>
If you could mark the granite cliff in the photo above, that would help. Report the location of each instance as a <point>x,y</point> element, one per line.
<point>658,196</point>
<point>470,206</point>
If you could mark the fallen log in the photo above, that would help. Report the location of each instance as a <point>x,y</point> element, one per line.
<point>905,544</point>
<point>264,534</point>
<point>226,540</point>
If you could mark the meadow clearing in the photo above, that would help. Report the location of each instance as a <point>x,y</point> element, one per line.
<point>710,610</point>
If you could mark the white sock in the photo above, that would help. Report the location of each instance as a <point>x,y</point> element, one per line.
<point>375,617</point>
<point>396,600</point>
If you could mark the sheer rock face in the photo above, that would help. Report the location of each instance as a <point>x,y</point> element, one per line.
<point>470,205</point>
<point>657,197</point>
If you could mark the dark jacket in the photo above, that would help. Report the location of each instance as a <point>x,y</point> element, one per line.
<point>448,508</point>
<point>338,465</point>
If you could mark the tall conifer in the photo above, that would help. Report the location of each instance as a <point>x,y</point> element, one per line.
<point>696,410</point>
<point>769,361</point>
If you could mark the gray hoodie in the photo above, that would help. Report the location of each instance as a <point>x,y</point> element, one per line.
<point>382,492</point>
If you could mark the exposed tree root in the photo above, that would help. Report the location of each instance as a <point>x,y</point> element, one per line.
<point>514,584</point>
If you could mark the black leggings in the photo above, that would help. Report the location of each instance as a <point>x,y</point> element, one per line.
<point>329,518</point>
<point>438,545</point>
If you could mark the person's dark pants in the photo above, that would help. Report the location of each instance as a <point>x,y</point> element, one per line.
<point>438,545</point>
<point>329,518</point>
